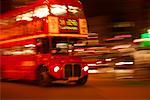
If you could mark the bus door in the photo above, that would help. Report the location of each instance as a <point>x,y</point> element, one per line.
<point>43,50</point>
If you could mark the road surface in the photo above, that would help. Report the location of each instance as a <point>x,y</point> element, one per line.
<point>98,87</point>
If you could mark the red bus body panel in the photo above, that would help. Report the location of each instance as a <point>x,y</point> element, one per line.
<point>19,65</point>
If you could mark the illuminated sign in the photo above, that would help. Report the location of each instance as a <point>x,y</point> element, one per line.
<point>146,42</point>
<point>145,35</point>
<point>83,26</point>
<point>68,25</point>
<point>53,24</point>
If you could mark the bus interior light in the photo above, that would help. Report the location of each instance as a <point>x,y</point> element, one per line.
<point>58,9</point>
<point>26,16</point>
<point>41,11</point>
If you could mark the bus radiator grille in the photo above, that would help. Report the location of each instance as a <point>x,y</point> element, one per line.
<point>72,70</point>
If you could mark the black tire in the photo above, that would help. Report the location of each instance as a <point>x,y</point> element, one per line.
<point>82,81</point>
<point>42,76</point>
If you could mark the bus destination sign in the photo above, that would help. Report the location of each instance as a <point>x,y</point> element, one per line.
<point>68,25</point>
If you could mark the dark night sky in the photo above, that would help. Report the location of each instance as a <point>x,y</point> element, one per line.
<point>4,5</point>
<point>91,7</point>
<point>102,7</point>
<point>114,7</point>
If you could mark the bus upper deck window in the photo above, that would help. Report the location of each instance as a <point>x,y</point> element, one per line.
<point>41,11</point>
<point>75,11</point>
<point>26,16</point>
<point>59,10</point>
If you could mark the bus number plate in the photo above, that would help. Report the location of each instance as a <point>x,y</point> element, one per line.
<point>73,78</point>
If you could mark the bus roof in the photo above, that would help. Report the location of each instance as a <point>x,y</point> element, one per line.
<point>30,6</point>
<point>8,20</point>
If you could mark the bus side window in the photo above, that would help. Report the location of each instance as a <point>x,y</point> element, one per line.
<point>27,49</point>
<point>43,45</point>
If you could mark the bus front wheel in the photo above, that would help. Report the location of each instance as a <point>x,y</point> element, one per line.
<point>43,78</point>
<point>82,81</point>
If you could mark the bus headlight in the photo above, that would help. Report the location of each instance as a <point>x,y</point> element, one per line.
<point>85,68</point>
<point>56,68</point>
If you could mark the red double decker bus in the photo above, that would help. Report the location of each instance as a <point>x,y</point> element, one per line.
<point>37,41</point>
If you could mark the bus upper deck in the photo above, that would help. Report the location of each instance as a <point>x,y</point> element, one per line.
<point>44,18</point>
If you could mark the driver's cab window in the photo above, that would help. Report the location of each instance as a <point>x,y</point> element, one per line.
<point>64,45</point>
<point>60,44</point>
<point>42,45</point>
